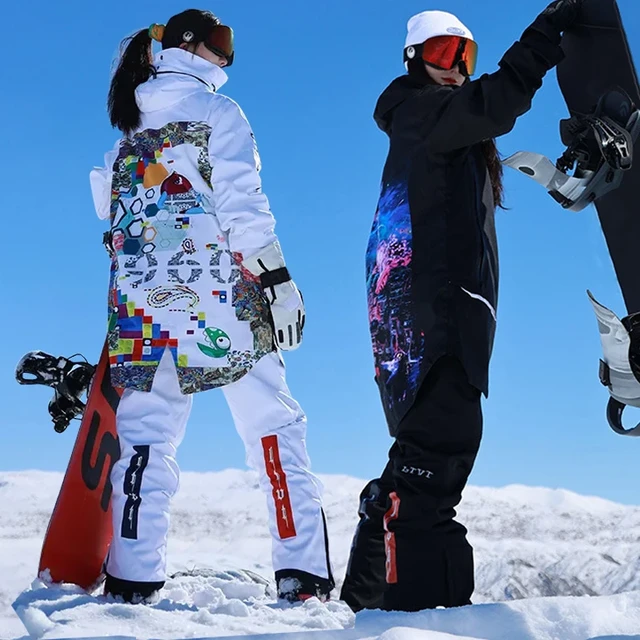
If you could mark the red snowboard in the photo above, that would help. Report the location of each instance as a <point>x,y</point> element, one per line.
<point>80,529</point>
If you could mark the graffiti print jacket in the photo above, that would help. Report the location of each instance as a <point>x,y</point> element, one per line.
<point>432,262</point>
<point>185,204</point>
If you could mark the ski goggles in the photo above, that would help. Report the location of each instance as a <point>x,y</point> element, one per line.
<point>447,52</point>
<point>220,42</point>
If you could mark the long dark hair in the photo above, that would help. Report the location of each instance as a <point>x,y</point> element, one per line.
<point>489,147</point>
<point>496,170</point>
<point>136,62</point>
<point>134,68</point>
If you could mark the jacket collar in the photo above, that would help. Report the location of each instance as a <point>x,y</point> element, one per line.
<point>182,62</point>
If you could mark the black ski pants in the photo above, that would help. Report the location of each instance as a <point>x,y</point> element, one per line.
<point>408,552</point>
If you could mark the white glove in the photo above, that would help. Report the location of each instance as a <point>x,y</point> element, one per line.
<point>287,306</point>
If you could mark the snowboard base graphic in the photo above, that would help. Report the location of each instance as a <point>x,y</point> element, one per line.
<point>80,529</point>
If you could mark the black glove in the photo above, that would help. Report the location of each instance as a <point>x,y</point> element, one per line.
<point>556,18</point>
<point>539,48</point>
<point>561,14</point>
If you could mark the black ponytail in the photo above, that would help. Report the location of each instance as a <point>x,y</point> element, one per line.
<point>134,68</point>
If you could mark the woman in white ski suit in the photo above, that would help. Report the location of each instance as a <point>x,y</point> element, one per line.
<point>199,298</point>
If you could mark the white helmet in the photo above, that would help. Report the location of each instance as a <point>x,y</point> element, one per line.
<point>431,24</point>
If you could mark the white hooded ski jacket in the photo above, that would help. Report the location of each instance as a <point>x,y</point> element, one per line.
<point>185,203</point>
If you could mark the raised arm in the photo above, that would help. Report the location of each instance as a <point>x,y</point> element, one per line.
<point>489,106</point>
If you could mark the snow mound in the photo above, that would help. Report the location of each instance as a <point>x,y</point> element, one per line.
<point>222,604</point>
<point>213,608</point>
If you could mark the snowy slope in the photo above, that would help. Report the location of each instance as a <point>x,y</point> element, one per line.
<point>212,611</point>
<point>530,542</point>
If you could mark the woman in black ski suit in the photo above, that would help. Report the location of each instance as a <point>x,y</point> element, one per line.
<point>432,275</point>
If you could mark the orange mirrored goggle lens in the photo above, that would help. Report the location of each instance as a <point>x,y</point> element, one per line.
<point>445,52</point>
<point>220,41</point>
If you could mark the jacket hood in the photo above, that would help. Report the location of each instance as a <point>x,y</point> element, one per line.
<point>392,97</point>
<point>179,74</point>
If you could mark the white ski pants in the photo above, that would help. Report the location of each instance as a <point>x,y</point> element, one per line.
<point>272,426</point>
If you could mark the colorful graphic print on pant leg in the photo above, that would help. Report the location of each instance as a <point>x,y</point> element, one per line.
<point>397,350</point>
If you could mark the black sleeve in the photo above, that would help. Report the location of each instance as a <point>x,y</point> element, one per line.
<point>489,106</point>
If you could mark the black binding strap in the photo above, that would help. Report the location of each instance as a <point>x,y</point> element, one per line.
<point>605,374</point>
<point>615,409</point>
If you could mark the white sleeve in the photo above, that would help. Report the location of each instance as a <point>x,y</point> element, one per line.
<point>239,204</point>
<point>100,178</point>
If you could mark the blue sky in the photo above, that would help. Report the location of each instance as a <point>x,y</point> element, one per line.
<point>308,76</point>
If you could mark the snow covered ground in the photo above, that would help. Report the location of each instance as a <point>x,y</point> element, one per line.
<point>530,543</point>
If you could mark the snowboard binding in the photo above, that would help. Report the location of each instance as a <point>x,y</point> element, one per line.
<point>599,152</point>
<point>620,367</point>
<point>70,380</point>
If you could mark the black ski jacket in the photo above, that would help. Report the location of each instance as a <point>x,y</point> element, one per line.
<point>432,261</point>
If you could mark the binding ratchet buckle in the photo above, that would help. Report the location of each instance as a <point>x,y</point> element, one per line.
<point>599,152</point>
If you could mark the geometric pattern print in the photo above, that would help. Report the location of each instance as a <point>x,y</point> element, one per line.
<point>137,342</point>
<point>151,210</point>
<point>397,351</point>
<point>151,205</point>
<point>141,341</point>
<point>251,306</point>
<point>147,146</point>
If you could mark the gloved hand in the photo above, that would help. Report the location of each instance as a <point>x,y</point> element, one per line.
<point>561,14</point>
<point>287,306</point>
<point>288,316</point>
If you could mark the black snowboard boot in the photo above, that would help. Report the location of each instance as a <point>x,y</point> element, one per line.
<point>130,591</point>
<point>364,583</point>
<point>296,586</point>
